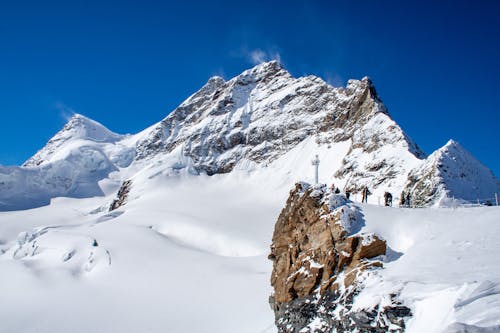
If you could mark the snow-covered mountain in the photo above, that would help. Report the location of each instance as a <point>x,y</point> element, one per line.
<point>80,131</point>
<point>71,164</point>
<point>263,113</point>
<point>248,122</point>
<point>188,236</point>
<point>451,172</point>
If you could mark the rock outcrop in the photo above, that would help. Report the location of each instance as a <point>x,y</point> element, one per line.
<point>122,195</point>
<point>319,261</point>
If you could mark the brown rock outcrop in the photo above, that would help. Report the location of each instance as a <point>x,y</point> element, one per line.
<point>318,255</point>
<point>122,195</point>
<point>311,244</point>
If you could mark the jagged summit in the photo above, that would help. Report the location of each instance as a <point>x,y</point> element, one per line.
<point>262,71</point>
<point>451,142</point>
<point>261,114</point>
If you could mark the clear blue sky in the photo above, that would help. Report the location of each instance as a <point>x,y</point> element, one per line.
<point>127,64</point>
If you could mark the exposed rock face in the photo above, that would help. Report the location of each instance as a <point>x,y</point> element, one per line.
<point>265,112</point>
<point>121,196</point>
<point>319,263</point>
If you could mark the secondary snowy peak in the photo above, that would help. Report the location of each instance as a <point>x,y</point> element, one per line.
<point>451,172</point>
<point>82,127</point>
<point>72,164</point>
<point>78,128</point>
<point>261,114</point>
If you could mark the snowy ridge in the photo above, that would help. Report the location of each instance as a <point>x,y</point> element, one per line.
<point>261,118</point>
<point>262,114</point>
<point>451,172</point>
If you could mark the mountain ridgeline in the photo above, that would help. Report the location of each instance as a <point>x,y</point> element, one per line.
<point>254,121</point>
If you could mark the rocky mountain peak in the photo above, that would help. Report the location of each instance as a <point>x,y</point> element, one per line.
<point>261,114</point>
<point>265,71</point>
<point>255,119</point>
<point>452,147</point>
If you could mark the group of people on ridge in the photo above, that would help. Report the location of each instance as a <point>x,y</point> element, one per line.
<point>404,201</point>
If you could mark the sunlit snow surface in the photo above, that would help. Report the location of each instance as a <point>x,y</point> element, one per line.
<point>189,254</point>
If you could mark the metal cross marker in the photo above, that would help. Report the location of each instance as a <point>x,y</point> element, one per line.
<point>315,162</point>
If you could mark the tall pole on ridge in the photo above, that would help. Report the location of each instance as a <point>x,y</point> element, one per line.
<point>315,162</point>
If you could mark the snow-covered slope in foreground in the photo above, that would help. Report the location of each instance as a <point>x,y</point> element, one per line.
<point>189,254</point>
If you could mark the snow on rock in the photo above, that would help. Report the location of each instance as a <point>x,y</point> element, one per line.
<point>263,113</point>
<point>319,267</point>
<point>449,173</point>
<point>75,176</point>
<point>185,238</point>
<point>380,157</point>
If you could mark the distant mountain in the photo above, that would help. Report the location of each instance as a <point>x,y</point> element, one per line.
<point>71,164</point>
<point>79,131</point>
<point>262,118</point>
<point>451,172</point>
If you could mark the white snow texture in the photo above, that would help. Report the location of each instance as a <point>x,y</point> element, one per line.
<point>187,252</point>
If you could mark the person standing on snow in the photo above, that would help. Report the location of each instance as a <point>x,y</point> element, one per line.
<point>364,194</point>
<point>402,199</point>
<point>388,199</point>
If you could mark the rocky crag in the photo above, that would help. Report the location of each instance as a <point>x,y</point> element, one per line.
<point>319,263</point>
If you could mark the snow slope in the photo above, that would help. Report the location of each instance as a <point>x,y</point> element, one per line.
<point>189,254</point>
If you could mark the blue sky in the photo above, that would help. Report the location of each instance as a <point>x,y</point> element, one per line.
<point>127,64</point>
